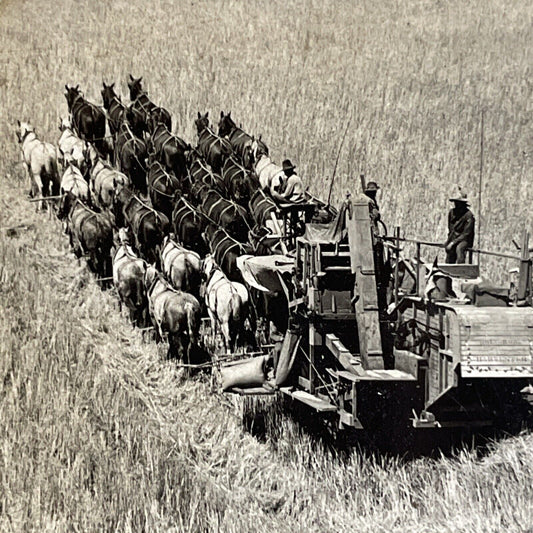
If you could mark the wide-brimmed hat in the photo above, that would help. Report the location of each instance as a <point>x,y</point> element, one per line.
<point>371,186</point>
<point>459,196</point>
<point>287,165</point>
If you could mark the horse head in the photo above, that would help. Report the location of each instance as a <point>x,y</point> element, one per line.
<point>248,157</point>
<point>65,124</point>
<point>202,122</point>
<point>135,87</point>
<point>124,237</point>
<point>225,124</point>
<point>23,130</point>
<point>108,94</point>
<point>208,266</point>
<point>258,148</point>
<point>72,94</point>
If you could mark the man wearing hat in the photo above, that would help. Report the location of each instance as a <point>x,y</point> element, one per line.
<point>371,191</point>
<point>461,224</point>
<point>292,187</point>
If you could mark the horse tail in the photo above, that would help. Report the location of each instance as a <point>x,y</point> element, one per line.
<point>50,175</point>
<point>236,317</point>
<point>193,327</point>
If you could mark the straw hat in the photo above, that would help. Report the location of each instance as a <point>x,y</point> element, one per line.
<point>459,196</point>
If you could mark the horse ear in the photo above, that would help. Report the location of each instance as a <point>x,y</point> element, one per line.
<point>140,79</point>
<point>131,77</point>
<point>112,85</point>
<point>78,87</point>
<point>199,114</point>
<point>207,114</point>
<point>18,123</point>
<point>222,114</point>
<point>66,87</point>
<point>229,114</point>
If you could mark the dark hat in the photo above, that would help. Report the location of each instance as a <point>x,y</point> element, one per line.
<point>287,165</point>
<point>371,186</point>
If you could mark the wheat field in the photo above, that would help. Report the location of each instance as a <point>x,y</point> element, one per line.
<point>97,433</point>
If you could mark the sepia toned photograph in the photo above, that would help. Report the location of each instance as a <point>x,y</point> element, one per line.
<point>266,266</point>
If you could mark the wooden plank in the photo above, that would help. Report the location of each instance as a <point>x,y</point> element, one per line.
<point>460,270</point>
<point>342,354</point>
<point>313,401</point>
<point>252,391</point>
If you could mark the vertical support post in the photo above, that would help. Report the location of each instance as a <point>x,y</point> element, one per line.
<point>417,269</point>
<point>524,282</point>
<point>315,341</point>
<point>396,273</point>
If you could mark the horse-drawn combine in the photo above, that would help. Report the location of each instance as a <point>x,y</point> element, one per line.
<point>311,302</point>
<point>366,348</point>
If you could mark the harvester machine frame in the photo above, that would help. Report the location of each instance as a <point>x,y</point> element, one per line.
<point>362,350</point>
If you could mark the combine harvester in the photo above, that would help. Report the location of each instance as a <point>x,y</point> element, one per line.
<point>369,343</point>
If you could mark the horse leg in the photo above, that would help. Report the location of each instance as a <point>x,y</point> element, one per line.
<point>226,335</point>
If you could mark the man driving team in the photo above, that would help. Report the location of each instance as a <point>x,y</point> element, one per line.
<point>461,224</point>
<point>292,187</point>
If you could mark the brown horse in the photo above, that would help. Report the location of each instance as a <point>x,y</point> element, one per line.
<point>187,225</point>
<point>169,149</point>
<point>227,214</point>
<point>163,188</point>
<point>241,184</point>
<point>225,250</point>
<point>142,107</point>
<point>91,233</point>
<point>147,225</point>
<point>214,149</point>
<point>173,312</point>
<point>130,155</point>
<point>242,144</point>
<point>116,110</point>
<point>201,177</point>
<point>88,119</point>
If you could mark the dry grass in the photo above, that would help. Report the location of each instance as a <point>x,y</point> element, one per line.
<point>97,433</point>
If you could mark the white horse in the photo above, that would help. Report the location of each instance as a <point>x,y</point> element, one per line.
<point>71,147</point>
<point>226,301</point>
<point>175,312</point>
<point>270,175</point>
<point>104,181</point>
<point>128,278</point>
<point>74,182</point>
<point>181,266</point>
<point>40,161</point>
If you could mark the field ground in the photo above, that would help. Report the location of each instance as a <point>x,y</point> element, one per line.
<point>97,433</point>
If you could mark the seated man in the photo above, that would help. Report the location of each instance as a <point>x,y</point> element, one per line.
<point>461,224</point>
<point>292,188</point>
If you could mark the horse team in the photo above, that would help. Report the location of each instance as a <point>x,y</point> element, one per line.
<point>164,220</point>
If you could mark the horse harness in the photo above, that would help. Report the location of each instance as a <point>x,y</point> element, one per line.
<point>92,214</point>
<point>225,238</point>
<point>216,139</point>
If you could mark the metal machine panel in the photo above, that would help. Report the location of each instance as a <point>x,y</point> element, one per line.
<point>495,342</point>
